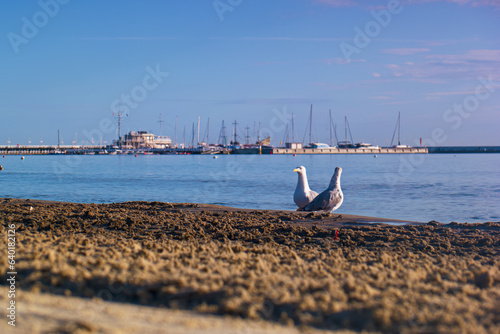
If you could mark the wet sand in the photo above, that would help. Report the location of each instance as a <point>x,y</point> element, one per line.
<point>304,271</point>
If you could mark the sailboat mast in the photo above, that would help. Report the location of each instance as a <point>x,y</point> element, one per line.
<point>258,138</point>
<point>286,138</point>
<point>208,131</point>
<point>350,134</point>
<point>175,135</point>
<point>331,134</point>
<point>120,124</point>
<point>399,128</point>
<point>222,134</point>
<point>310,124</point>
<point>235,132</point>
<point>345,124</point>
<point>198,138</point>
<point>335,132</point>
<point>254,133</point>
<point>192,136</point>
<point>293,129</point>
<point>160,120</point>
<point>225,136</point>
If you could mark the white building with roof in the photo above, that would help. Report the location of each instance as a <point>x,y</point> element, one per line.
<point>144,139</point>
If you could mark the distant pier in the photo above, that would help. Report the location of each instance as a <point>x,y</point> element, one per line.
<point>83,150</point>
<point>464,149</point>
<point>360,150</point>
<point>47,149</point>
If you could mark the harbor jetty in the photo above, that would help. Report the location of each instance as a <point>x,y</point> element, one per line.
<point>330,150</point>
<point>146,143</point>
<point>50,149</point>
<point>361,150</point>
<point>110,150</point>
<point>464,149</point>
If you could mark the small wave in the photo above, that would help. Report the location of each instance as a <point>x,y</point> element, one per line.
<point>462,195</point>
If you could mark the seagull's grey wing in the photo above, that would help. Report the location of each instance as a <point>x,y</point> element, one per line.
<point>320,202</point>
<point>312,195</point>
<point>336,200</point>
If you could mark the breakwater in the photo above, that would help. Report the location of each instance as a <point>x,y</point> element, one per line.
<point>48,149</point>
<point>464,149</point>
<point>331,150</point>
<point>54,149</point>
<point>361,150</point>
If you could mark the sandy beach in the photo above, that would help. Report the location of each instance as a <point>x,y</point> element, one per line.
<point>192,268</point>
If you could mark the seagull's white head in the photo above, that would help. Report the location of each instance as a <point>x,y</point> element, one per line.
<point>335,181</point>
<point>300,170</point>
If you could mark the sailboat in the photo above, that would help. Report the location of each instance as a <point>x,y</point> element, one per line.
<point>346,143</point>
<point>313,144</point>
<point>398,128</point>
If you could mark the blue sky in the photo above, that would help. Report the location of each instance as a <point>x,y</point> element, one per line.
<point>66,65</point>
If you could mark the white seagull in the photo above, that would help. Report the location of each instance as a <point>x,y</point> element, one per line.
<point>330,199</point>
<point>303,194</point>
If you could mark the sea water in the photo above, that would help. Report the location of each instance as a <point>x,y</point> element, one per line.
<point>417,187</point>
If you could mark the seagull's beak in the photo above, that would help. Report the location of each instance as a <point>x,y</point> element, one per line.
<point>296,170</point>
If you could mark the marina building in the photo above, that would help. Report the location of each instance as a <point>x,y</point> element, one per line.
<point>144,139</point>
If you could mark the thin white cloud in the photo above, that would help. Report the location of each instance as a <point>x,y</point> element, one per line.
<point>255,101</point>
<point>446,67</point>
<point>427,43</point>
<point>338,3</point>
<point>276,100</point>
<point>484,55</point>
<point>405,51</point>
<point>267,63</point>
<point>383,4</point>
<point>375,82</point>
<point>398,102</point>
<point>292,39</point>
<point>422,42</point>
<point>340,61</point>
<point>472,3</point>
<point>438,95</point>
<point>453,93</point>
<point>127,38</point>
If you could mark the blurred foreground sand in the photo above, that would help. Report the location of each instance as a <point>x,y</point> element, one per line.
<point>47,313</point>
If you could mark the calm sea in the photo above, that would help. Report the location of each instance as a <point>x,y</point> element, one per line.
<point>462,188</point>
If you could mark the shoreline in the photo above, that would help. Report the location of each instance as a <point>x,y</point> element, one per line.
<point>299,217</point>
<point>281,267</point>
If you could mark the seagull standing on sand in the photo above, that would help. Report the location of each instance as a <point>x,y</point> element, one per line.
<point>303,194</point>
<point>330,199</point>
